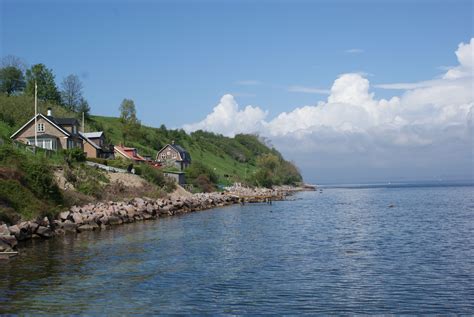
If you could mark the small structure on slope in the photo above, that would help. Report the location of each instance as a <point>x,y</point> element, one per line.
<point>174,154</point>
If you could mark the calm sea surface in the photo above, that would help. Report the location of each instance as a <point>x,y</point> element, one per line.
<point>343,251</point>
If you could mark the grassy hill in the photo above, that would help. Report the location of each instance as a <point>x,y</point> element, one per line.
<point>224,160</point>
<point>231,159</point>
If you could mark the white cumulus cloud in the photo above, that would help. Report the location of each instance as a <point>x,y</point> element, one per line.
<point>226,118</point>
<point>426,131</point>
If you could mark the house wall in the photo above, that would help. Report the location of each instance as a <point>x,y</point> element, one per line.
<point>177,177</point>
<point>99,141</point>
<point>29,132</point>
<point>169,156</point>
<point>90,150</point>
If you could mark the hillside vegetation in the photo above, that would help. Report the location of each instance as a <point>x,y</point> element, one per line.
<point>216,160</point>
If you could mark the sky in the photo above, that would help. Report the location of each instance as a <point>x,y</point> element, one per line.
<point>351,91</point>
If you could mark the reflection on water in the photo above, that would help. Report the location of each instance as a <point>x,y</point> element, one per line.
<point>341,251</point>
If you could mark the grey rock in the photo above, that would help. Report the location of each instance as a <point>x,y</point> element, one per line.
<point>77,218</point>
<point>9,240</point>
<point>114,220</point>
<point>33,226</point>
<point>14,229</point>
<point>5,247</point>
<point>64,215</point>
<point>4,231</point>
<point>44,232</point>
<point>87,227</point>
<point>70,226</point>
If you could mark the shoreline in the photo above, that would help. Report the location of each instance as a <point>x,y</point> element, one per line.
<point>103,215</point>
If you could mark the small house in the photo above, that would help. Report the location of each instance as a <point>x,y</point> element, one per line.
<point>51,133</point>
<point>94,145</point>
<point>174,154</point>
<point>128,153</point>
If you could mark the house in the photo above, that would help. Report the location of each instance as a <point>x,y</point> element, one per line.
<point>94,145</point>
<point>128,153</point>
<point>52,133</point>
<point>174,154</point>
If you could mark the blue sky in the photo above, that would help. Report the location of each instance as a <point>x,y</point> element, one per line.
<point>176,59</point>
<point>167,55</point>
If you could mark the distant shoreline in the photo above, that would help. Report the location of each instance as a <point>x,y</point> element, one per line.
<point>399,184</point>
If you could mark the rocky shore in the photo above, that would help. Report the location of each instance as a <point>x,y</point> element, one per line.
<point>102,215</point>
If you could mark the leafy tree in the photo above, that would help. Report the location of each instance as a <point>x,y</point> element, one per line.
<point>44,77</point>
<point>11,80</point>
<point>84,107</point>
<point>71,92</point>
<point>128,113</point>
<point>273,170</point>
<point>128,118</point>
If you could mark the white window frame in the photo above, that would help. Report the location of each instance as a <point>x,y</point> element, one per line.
<point>40,127</point>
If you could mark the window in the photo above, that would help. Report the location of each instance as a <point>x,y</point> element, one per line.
<point>163,156</point>
<point>74,129</point>
<point>174,155</point>
<point>40,127</point>
<point>70,144</point>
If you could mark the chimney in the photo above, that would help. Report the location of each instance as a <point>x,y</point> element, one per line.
<point>50,114</point>
<point>172,142</point>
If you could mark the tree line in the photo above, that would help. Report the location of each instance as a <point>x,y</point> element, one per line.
<point>17,79</point>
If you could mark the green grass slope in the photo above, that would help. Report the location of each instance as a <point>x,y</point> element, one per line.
<point>231,159</point>
<point>228,159</point>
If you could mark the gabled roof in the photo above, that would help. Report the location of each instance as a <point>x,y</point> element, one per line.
<point>54,124</point>
<point>93,135</point>
<point>125,151</point>
<point>64,121</point>
<point>84,136</point>
<point>185,156</point>
<point>182,152</point>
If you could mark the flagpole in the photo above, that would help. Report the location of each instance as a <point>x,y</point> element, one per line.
<point>36,115</point>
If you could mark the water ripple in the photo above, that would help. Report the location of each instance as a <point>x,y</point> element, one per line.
<point>344,251</point>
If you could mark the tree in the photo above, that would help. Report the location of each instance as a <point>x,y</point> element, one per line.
<point>128,117</point>
<point>11,80</point>
<point>13,61</point>
<point>128,113</point>
<point>84,107</point>
<point>71,92</point>
<point>44,77</point>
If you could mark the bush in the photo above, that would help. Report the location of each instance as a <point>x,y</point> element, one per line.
<point>97,160</point>
<point>74,155</point>
<point>27,185</point>
<point>87,180</point>
<point>273,170</point>
<point>201,177</point>
<point>155,176</point>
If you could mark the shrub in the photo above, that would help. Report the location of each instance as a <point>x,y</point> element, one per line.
<point>155,176</point>
<point>27,186</point>
<point>87,180</point>
<point>74,155</point>
<point>201,177</point>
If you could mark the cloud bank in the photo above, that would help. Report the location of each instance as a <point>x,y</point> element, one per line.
<point>424,133</point>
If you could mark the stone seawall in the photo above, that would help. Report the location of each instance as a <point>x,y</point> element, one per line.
<point>102,215</point>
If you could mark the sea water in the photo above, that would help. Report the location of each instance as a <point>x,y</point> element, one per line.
<point>369,250</point>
